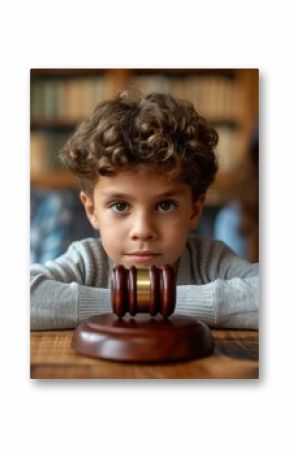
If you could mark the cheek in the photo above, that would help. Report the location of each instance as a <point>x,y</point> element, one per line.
<point>111,244</point>
<point>107,222</point>
<point>176,239</point>
<point>175,233</point>
<point>174,236</point>
<point>178,225</point>
<point>111,232</point>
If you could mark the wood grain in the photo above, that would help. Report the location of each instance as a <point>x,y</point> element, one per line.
<point>235,357</point>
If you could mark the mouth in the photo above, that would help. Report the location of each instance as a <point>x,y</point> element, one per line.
<point>142,256</point>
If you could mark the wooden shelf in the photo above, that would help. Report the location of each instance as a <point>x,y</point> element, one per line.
<point>50,71</point>
<point>54,179</point>
<point>183,71</point>
<point>52,124</point>
<point>69,72</point>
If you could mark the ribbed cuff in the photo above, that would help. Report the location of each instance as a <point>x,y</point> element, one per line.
<point>93,301</point>
<point>196,301</point>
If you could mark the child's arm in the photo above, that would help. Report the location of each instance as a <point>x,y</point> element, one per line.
<point>226,288</point>
<point>221,289</point>
<point>223,304</point>
<point>70,288</point>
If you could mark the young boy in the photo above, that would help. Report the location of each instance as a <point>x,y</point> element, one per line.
<point>144,165</point>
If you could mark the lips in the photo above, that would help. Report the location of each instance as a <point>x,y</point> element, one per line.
<point>143,253</point>
<point>142,256</point>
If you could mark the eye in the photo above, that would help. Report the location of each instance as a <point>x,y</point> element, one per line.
<point>119,207</point>
<point>166,206</point>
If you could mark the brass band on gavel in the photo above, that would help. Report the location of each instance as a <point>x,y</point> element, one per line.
<point>151,290</point>
<point>143,290</point>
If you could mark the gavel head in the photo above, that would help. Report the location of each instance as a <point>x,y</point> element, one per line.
<point>151,290</point>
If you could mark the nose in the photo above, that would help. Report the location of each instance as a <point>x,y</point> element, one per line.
<point>142,228</point>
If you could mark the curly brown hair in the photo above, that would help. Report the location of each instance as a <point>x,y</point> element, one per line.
<point>155,131</point>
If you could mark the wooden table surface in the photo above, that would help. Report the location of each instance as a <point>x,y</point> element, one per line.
<point>235,357</point>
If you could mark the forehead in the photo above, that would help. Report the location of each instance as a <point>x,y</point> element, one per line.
<point>139,182</point>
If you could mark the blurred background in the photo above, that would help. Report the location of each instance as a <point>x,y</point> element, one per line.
<point>61,98</point>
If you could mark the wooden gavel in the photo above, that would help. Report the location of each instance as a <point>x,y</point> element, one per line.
<point>151,290</point>
<point>143,339</point>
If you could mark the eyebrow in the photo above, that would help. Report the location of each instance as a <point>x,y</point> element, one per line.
<point>165,194</point>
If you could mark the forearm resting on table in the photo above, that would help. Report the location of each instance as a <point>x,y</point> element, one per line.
<point>223,304</point>
<point>56,305</point>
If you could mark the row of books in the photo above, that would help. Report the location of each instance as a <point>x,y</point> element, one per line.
<point>216,97</point>
<point>45,147</point>
<point>66,100</point>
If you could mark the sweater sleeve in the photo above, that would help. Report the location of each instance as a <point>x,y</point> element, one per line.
<point>222,288</point>
<point>223,304</point>
<point>70,288</point>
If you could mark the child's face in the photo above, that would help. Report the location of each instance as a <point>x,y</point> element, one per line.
<point>143,217</point>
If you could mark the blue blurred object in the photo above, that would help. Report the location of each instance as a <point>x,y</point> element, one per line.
<point>227,228</point>
<point>57,218</point>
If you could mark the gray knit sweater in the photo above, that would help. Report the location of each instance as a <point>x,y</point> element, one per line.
<point>213,285</point>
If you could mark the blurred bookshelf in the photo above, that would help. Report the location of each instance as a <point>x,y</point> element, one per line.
<point>62,98</point>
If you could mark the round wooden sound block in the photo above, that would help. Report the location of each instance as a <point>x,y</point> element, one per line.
<point>143,338</point>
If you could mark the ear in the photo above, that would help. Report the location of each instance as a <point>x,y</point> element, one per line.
<point>89,209</point>
<point>197,210</point>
